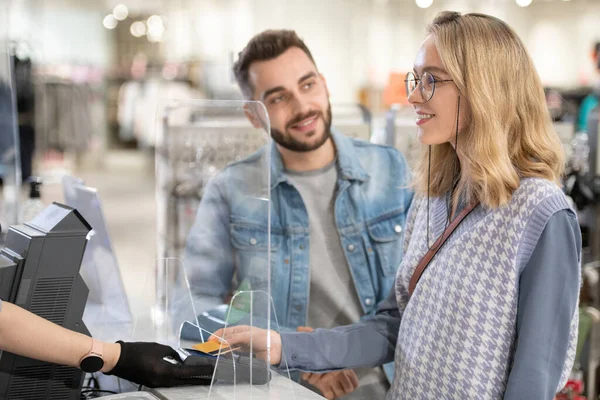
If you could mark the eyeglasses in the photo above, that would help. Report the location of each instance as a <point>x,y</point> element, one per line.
<point>426,84</point>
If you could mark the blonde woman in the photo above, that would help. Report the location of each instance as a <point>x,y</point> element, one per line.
<point>491,311</point>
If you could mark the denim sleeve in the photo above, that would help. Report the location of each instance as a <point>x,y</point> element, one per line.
<point>208,255</point>
<point>548,293</point>
<point>367,343</point>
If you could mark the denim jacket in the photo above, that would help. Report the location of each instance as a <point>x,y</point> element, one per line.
<point>229,236</point>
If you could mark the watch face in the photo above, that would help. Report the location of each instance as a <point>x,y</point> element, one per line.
<point>91,364</point>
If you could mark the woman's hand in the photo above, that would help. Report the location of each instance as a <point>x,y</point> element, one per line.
<point>250,338</point>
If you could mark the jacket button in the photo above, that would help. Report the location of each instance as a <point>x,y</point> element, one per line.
<point>301,247</point>
<point>351,247</point>
<point>298,308</point>
<point>398,228</point>
<point>253,241</point>
<point>368,301</point>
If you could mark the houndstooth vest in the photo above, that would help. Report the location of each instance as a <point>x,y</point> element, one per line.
<point>457,336</point>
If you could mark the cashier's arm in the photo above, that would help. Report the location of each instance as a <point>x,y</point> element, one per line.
<point>26,334</point>
<point>148,364</point>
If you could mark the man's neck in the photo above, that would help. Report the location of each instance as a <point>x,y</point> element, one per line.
<point>310,160</point>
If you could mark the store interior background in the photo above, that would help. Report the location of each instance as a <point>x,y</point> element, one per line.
<point>185,49</point>
<point>356,43</point>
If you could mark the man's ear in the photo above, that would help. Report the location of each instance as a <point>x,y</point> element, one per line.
<point>254,112</point>
<point>252,116</point>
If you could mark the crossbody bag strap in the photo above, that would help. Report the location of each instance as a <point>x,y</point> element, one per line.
<point>436,246</point>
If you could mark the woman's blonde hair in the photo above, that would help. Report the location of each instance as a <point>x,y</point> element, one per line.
<point>509,134</point>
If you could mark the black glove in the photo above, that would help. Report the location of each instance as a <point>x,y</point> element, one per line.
<point>143,363</point>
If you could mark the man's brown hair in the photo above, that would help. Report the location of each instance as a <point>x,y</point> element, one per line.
<point>262,47</point>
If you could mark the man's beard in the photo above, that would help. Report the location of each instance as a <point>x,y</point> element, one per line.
<point>290,143</point>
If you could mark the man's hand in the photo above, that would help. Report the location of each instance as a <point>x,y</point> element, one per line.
<point>249,337</point>
<point>143,363</point>
<point>332,385</point>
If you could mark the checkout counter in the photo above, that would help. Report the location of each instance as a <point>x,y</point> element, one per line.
<point>280,387</point>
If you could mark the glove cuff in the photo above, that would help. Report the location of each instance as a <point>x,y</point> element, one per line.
<point>120,366</point>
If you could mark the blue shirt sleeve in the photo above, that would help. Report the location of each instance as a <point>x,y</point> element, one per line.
<point>368,343</point>
<point>548,293</point>
<point>208,257</point>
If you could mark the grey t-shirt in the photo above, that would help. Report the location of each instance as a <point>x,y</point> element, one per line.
<point>333,299</point>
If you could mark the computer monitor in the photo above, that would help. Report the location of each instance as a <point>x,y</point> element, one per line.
<point>107,312</point>
<point>39,271</point>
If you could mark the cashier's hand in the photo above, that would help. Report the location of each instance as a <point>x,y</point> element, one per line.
<point>144,364</point>
<point>332,385</point>
<point>244,336</point>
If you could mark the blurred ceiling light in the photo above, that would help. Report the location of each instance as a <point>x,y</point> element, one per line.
<point>155,22</point>
<point>154,39</point>
<point>138,29</point>
<point>110,22</point>
<point>155,34</point>
<point>120,12</point>
<point>424,3</point>
<point>523,3</point>
<point>156,29</point>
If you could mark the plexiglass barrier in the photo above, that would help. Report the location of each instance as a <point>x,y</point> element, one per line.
<point>107,313</point>
<point>169,319</point>
<point>213,163</point>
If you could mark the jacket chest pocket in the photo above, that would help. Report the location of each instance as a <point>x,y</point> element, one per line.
<point>250,244</point>
<point>386,242</point>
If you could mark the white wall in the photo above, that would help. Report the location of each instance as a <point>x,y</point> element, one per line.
<point>560,39</point>
<point>59,34</point>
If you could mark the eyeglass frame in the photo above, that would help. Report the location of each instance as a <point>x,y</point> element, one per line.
<point>420,84</point>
